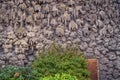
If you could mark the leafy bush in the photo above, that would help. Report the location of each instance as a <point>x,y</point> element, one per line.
<point>55,60</point>
<point>62,76</point>
<point>15,73</point>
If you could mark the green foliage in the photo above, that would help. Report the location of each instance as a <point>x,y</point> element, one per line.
<point>62,76</point>
<point>55,60</point>
<point>15,73</point>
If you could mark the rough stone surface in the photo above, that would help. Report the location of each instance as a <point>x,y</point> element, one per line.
<point>27,26</point>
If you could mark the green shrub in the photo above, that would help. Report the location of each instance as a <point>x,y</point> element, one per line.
<point>55,60</point>
<point>62,76</point>
<point>15,73</point>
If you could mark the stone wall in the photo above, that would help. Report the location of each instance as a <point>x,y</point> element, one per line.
<point>27,26</point>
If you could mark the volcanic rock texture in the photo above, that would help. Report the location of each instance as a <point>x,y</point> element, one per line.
<point>27,26</point>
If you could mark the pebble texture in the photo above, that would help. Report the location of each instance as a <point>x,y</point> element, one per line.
<point>27,26</point>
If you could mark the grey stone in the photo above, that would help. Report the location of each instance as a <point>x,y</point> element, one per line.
<point>100,48</point>
<point>46,8</point>
<point>118,63</point>
<point>44,22</point>
<point>116,74</point>
<point>64,46</point>
<point>21,56</point>
<point>110,29</point>
<point>36,16</point>
<point>30,10</point>
<point>20,1</point>
<point>53,22</point>
<point>82,10</point>
<point>110,64</point>
<point>89,50</point>
<point>104,60</point>
<point>55,10</point>
<point>30,34</point>
<point>29,28</point>
<point>60,31</point>
<point>111,56</point>
<point>88,54</point>
<point>20,32</point>
<point>12,60</point>
<point>31,58</point>
<point>103,75</point>
<point>3,57</point>
<point>86,39</point>
<point>116,30</point>
<point>70,39</point>
<point>118,47</point>
<point>92,44</point>
<point>79,22</point>
<point>63,39</point>
<point>118,78</point>
<point>110,72</point>
<point>92,36</point>
<point>9,55</point>
<point>105,51</point>
<point>48,41</point>
<point>37,8</point>
<point>73,34</point>
<point>23,6</point>
<point>117,53</point>
<point>67,32</point>
<point>39,46</point>
<point>109,77</point>
<point>85,30</point>
<point>83,46</point>
<point>77,40</point>
<point>103,32</point>
<point>73,26</point>
<point>94,28</point>
<point>48,33</point>
<point>102,14</point>
<point>2,62</point>
<point>118,1</point>
<point>99,23</point>
<point>112,47</point>
<point>68,42</point>
<point>7,47</point>
<point>103,67</point>
<point>1,28</point>
<point>97,52</point>
<point>3,11</point>
<point>71,2</point>
<point>42,15</point>
<point>20,63</point>
<point>65,17</point>
<point>21,46</point>
<point>29,19</point>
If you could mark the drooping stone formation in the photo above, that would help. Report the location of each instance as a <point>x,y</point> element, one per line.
<point>27,26</point>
